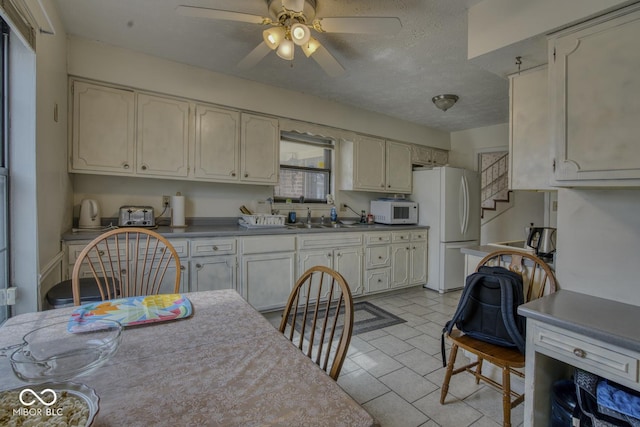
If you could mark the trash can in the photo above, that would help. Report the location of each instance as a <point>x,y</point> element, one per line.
<point>61,295</point>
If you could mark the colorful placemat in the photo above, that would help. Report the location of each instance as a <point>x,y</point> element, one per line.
<point>133,310</point>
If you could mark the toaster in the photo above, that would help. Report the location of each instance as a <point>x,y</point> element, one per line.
<point>136,216</point>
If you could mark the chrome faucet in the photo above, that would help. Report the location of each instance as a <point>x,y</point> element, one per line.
<point>308,215</point>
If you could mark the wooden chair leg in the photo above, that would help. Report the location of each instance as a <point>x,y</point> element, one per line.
<point>479,370</point>
<point>506,397</point>
<point>447,376</point>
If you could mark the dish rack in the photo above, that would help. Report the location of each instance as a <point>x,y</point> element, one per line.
<point>262,220</point>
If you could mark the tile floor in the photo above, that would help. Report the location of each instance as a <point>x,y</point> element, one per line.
<point>395,373</point>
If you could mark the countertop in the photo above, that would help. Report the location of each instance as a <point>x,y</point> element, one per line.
<point>221,228</point>
<point>606,320</point>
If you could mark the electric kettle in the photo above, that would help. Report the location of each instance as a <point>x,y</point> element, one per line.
<point>89,214</point>
<point>542,240</point>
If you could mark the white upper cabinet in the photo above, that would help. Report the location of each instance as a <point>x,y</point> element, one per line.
<point>373,164</point>
<point>595,107</point>
<point>422,155</point>
<point>103,133</point>
<point>531,165</point>
<point>259,149</point>
<point>163,136</point>
<point>398,167</point>
<point>217,145</point>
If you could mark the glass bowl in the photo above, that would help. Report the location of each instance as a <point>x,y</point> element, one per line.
<point>59,352</point>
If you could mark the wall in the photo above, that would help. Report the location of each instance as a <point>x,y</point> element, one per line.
<point>525,207</point>
<point>599,243</point>
<point>54,192</point>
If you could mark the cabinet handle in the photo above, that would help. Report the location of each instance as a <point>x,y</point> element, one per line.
<point>389,185</point>
<point>380,257</point>
<point>246,175</point>
<point>328,255</point>
<point>414,247</point>
<point>233,174</point>
<point>339,254</point>
<point>382,185</point>
<point>379,238</point>
<point>182,267</point>
<point>580,353</point>
<point>125,165</point>
<point>401,237</point>
<point>215,248</point>
<point>144,167</point>
<point>101,253</point>
<point>408,248</point>
<point>123,271</point>
<point>379,280</point>
<point>198,265</point>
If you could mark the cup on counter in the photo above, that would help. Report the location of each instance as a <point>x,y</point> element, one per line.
<point>370,219</point>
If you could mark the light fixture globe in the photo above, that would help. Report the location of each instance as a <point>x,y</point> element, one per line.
<point>286,50</point>
<point>311,46</point>
<point>273,37</point>
<point>444,102</point>
<point>300,33</point>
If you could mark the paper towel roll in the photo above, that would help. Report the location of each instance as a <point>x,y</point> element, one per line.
<point>177,207</point>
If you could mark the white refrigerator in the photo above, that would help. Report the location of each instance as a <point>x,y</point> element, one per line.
<point>449,203</point>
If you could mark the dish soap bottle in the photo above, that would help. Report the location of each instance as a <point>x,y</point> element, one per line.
<point>334,215</point>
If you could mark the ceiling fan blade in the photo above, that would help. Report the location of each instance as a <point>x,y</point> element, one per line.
<point>203,12</point>
<point>358,25</point>
<point>254,56</point>
<point>329,64</point>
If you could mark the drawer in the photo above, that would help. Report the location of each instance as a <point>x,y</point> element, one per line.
<point>377,280</point>
<point>419,235</point>
<point>263,245</point>
<point>75,249</point>
<point>400,236</point>
<point>209,247</point>
<point>329,240</point>
<point>586,353</point>
<point>181,247</point>
<point>377,238</point>
<point>377,256</point>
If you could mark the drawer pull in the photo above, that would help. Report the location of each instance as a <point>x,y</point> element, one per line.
<point>215,248</point>
<point>101,253</point>
<point>380,257</point>
<point>580,353</point>
<point>198,266</point>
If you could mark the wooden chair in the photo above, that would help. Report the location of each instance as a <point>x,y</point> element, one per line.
<point>538,280</point>
<point>128,262</point>
<point>319,310</point>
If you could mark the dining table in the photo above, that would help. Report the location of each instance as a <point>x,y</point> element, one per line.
<point>225,365</point>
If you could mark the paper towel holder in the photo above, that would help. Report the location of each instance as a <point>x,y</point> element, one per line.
<point>177,211</point>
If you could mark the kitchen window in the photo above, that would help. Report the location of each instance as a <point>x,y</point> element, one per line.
<point>305,168</point>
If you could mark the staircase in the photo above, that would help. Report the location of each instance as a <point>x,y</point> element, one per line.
<point>494,180</point>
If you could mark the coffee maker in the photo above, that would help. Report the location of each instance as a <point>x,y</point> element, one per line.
<point>542,240</point>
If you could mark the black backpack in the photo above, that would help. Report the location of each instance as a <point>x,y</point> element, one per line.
<point>488,308</point>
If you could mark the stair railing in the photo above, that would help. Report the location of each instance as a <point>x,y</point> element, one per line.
<point>492,176</point>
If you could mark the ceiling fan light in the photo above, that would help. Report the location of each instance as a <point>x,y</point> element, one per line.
<point>311,46</point>
<point>285,50</point>
<point>444,102</point>
<point>273,37</point>
<point>300,33</point>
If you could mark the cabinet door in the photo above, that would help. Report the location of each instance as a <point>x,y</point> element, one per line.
<point>440,157</point>
<point>377,280</point>
<point>267,279</point>
<point>103,135</point>
<point>168,282</point>
<point>421,155</point>
<point>377,256</point>
<point>259,149</point>
<point>595,103</point>
<point>530,164</point>
<point>163,136</point>
<point>217,145</point>
<point>398,167</point>
<point>400,264</point>
<point>348,262</point>
<point>369,163</point>
<point>213,273</point>
<point>308,259</point>
<point>418,263</point>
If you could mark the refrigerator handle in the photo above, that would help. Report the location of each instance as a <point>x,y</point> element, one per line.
<point>465,205</point>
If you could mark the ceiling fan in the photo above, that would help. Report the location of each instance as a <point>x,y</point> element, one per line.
<point>290,23</point>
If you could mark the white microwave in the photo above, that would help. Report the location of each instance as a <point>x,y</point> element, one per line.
<point>394,212</point>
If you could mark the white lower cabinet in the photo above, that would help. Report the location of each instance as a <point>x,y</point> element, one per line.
<point>267,270</point>
<point>213,264</point>
<point>339,251</point>
<point>408,259</point>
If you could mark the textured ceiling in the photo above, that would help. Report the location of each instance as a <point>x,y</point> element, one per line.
<point>394,75</point>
